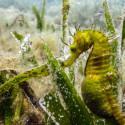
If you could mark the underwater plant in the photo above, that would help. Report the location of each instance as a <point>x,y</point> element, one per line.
<point>26,53</point>
<point>65,13</point>
<point>123,34</point>
<point>40,16</point>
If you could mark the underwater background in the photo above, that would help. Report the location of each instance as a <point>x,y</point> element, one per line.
<point>38,84</point>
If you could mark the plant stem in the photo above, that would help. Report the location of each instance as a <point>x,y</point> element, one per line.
<point>18,102</point>
<point>79,114</point>
<point>65,13</point>
<point>19,79</point>
<point>111,29</point>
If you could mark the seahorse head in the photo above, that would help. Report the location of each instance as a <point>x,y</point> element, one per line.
<point>81,43</point>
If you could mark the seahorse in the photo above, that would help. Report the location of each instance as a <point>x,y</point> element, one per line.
<point>97,88</point>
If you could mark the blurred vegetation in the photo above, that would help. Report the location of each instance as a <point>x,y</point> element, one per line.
<point>27,56</point>
<point>40,15</point>
<point>111,30</point>
<point>123,34</point>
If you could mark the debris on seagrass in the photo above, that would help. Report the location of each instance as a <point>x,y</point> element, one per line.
<point>51,104</point>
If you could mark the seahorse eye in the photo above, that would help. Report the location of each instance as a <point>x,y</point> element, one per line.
<point>73,49</point>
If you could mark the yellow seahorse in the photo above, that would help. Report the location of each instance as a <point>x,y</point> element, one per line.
<point>97,88</point>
